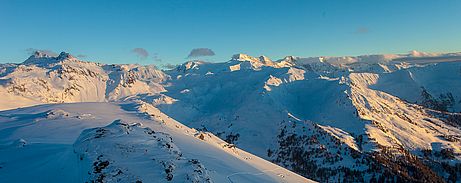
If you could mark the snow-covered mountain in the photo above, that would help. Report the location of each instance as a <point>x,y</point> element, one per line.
<point>62,79</point>
<point>120,142</point>
<point>353,119</point>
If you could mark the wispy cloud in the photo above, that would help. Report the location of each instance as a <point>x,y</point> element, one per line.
<point>169,66</point>
<point>200,52</point>
<point>156,58</point>
<point>81,56</point>
<point>31,51</point>
<point>361,30</point>
<point>141,52</point>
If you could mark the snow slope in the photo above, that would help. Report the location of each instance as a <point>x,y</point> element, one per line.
<point>124,142</point>
<point>343,102</point>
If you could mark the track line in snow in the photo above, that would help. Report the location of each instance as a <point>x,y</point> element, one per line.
<point>249,173</point>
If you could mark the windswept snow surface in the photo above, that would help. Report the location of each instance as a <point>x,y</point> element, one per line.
<point>124,142</point>
<point>392,117</point>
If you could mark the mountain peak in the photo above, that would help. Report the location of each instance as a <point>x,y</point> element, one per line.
<point>415,53</point>
<point>243,57</point>
<point>40,57</point>
<point>40,54</point>
<point>64,56</point>
<point>264,59</point>
<point>290,59</point>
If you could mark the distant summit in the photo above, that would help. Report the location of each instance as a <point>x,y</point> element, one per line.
<point>42,58</point>
<point>64,56</point>
<point>40,54</point>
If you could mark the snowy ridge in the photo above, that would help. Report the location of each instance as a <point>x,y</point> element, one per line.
<point>95,148</point>
<point>76,142</point>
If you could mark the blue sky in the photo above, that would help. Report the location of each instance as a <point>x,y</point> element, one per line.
<point>108,31</point>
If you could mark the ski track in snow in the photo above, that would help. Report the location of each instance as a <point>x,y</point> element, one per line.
<point>249,173</point>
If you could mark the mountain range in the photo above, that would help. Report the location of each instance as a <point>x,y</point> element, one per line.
<point>370,118</point>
